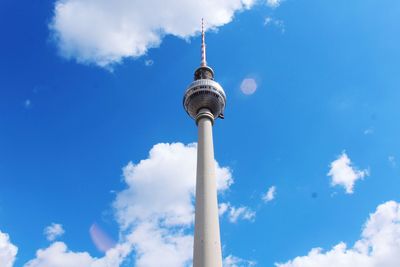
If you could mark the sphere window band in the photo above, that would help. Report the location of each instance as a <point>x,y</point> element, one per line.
<point>204,94</point>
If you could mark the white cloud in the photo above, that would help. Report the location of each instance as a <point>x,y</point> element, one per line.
<point>153,243</point>
<point>161,188</point>
<point>236,213</point>
<point>274,3</point>
<point>53,231</point>
<point>270,194</point>
<point>232,261</point>
<point>105,32</point>
<point>248,86</point>
<point>58,255</point>
<point>8,251</point>
<point>379,244</point>
<point>343,173</point>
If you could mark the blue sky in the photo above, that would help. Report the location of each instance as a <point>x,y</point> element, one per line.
<point>88,89</point>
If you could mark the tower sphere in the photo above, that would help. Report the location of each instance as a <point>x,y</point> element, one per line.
<point>204,93</point>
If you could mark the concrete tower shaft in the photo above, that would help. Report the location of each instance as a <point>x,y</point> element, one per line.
<point>207,241</point>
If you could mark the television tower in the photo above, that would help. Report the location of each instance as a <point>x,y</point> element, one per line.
<point>204,101</point>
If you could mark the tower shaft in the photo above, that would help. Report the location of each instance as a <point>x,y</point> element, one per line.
<point>207,243</point>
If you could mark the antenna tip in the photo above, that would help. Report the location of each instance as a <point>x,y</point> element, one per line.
<point>203,45</point>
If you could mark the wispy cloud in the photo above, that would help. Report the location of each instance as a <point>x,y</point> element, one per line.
<point>343,173</point>
<point>280,24</point>
<point>54,231</point>
<point>236,213</point>
<point>270,194</point>
<point>223,208</point>
<point>232,261</point>
<point>274,3</point>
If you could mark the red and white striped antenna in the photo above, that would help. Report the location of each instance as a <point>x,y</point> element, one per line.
<point>203,45</point>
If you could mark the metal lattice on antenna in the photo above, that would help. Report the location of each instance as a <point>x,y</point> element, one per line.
<point>203,45</point>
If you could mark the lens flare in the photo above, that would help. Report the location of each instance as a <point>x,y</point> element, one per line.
<point>101,239</point>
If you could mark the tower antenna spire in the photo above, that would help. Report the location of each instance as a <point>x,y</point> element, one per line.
<point>203,45</point>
